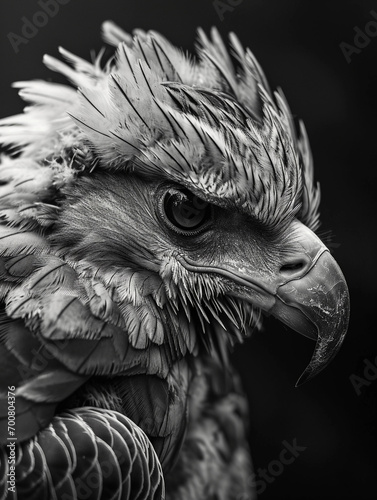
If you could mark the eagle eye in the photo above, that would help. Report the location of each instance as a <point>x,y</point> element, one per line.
<point>184,212</point>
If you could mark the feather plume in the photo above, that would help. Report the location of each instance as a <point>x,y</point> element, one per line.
<point>132,115</point>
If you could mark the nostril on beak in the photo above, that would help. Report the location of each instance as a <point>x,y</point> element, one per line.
<point>294,268</point>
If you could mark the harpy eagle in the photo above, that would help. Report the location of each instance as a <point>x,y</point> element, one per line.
<point>149,215</point>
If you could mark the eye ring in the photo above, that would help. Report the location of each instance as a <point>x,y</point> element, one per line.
<point>184,212</point>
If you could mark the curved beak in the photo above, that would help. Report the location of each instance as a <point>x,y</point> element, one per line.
<point>316,305</point>
<point>305,289</point>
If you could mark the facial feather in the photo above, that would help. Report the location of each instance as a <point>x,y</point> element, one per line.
<point>148,219</point>
<point>150,119</point>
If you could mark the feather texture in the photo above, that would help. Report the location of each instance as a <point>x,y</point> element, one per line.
<point>137,87</point>
<point>88,453</point>
<point>117,345</point>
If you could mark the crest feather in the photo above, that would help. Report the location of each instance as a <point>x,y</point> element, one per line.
<point>206,124</point>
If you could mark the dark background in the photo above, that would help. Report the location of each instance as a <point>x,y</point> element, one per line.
<point>297,44</point>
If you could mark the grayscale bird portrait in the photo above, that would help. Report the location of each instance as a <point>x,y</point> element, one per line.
<point>187,262</point>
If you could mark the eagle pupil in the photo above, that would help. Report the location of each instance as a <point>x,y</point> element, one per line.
<point>185,210</point>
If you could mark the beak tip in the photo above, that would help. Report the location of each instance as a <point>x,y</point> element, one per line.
<point>305,376</point>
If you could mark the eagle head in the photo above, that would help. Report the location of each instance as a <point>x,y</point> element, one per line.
<point>178,199</point>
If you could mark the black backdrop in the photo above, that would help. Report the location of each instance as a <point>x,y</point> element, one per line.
<point>298,45</point>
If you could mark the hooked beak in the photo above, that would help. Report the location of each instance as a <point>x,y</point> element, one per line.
<point>307,292</point>
<point>316,305</point>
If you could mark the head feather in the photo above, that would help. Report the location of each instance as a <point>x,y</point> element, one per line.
<point>215,129</point>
